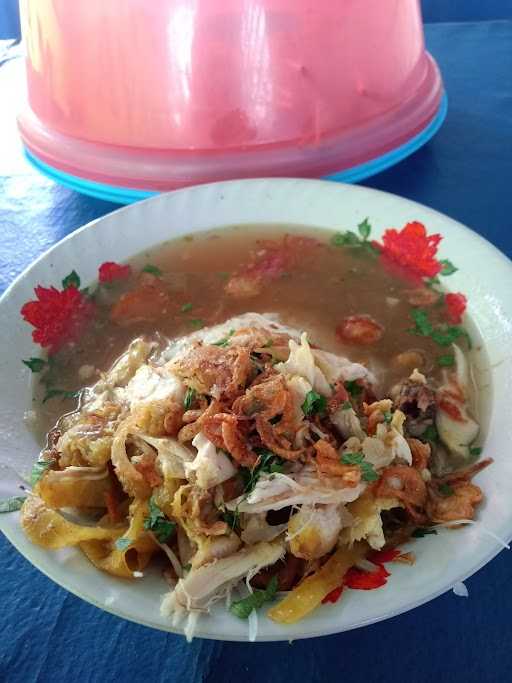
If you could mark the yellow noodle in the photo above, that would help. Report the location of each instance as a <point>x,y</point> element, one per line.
<point>58,491</point>
<point>105,555</point>
<point>49,529</point>
<point>308,595</point>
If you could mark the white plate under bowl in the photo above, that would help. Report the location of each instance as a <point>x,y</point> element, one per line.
<point>485,276</point>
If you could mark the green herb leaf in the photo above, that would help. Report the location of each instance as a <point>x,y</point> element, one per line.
<point>186,308</point>
<point>352,458</point>
<point>345,239</point>
<point>314,404</point>
<point>368,472</point>
<point>387,417</point>
<point>164,529</point>
<point>71,280</point>
<point>224,275</point>
<point>346,405</point>
<point>446,335</point>
<point>38,469</point>
<point>420,532</point>
<point>431,281</point>
<point>475,451</point>
<point>423,326</point>
<point>353,388</point>
<point>268,462</point>
<point>152,270</point>
<point>12,504</point>
<point>430,434</point>
<point>446,361</point>
<point>232,518</point>
<point>225,340</point>
<point>443,335</point>
<point>154,514</point>
<point>35,364</point>
<point>371,248</point>
<point>445,490</point>
<point>187,567</point>
<point>243,608</point>
<point>447,267</point>
<point>364,229</point>
<point>62,393</point>
<point>123,543</point>
<point>189,399</point>
<point>197,322</point>
<point>440,301</point>
<point>158,523</point>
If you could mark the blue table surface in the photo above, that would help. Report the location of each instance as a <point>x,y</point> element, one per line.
<point>50,635</point>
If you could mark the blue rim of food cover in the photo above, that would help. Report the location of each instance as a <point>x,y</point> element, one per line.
<point>128,195</point>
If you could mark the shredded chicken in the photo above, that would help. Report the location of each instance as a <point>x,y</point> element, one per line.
<point>239,452</point>
<point>200,588</point>
<point>313,532</point>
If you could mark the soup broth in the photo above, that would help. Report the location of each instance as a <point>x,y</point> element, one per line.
<point>326,284</point>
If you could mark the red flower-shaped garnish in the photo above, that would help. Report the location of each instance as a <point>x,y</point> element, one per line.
<point>58,316</point>
<point>110,271</point>
<point>412,250</point>
<point>455,306</point>
<point>366,581</point>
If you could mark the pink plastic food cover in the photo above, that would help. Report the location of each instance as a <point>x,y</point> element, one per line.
<point>163,93</point>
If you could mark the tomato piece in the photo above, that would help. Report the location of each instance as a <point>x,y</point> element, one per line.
<point>360,329</point>
<point>451,409</point>
<point>383,556</point>
<point>273,259</point>
<point>334,595</point>
<point>366,581</point>
<point>148,302</point>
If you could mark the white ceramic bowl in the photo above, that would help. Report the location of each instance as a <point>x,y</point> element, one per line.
<point>485,276</point>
